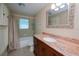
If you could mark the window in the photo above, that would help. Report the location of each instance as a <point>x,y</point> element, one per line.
<point>23,23</point>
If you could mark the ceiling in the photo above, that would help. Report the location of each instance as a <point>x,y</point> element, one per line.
<point>29,9</point>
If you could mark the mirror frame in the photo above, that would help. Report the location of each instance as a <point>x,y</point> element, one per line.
<point>71,10</point>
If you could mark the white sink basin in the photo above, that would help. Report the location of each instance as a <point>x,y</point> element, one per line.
<point>49,39</point>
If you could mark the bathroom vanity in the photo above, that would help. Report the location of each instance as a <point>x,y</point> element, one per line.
<point>42,49</point>
<point>57,47</point>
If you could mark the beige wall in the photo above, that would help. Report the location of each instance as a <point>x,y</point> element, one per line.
<point>41,24</point>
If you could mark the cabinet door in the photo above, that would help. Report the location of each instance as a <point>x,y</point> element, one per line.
<point>49,51</point>
<point>5,15</point>
<point>1,14</point>
<point>41,48</point>
<point>45,50</point>
<point>38,47</point>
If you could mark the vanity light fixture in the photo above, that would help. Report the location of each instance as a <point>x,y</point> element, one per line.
<point>53,6</point>
<point>62,6</point>
<point>56,9</point>
<point>57,6</point>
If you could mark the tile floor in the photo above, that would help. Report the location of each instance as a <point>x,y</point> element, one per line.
<point>22,52</point>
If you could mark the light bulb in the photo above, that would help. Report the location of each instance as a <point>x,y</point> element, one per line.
<point>62,6</point>
<point>56,9</point>
<point>53,6</point>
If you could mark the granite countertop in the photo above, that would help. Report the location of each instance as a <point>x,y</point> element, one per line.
<point>63,46</point>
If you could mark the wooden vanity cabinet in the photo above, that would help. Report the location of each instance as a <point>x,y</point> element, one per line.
<point>42,49</point>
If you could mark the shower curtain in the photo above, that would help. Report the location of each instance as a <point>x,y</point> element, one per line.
<point>13,34</point>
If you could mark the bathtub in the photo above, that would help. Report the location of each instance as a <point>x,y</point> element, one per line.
<point>26,41</point>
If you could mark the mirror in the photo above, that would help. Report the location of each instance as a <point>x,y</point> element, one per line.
<point>61,15</point>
